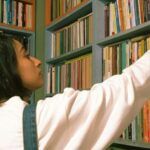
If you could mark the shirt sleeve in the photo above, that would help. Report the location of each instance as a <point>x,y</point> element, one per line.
<point>93,119</point>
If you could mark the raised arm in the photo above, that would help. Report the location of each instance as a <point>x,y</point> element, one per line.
<point>94,119</point>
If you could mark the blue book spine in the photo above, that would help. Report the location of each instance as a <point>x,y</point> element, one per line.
<point>9,11</point>
<point>117,18</point>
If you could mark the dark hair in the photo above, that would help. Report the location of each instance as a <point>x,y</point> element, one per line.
<point>10,81</point>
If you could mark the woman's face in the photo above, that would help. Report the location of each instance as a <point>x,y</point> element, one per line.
<point>28,68</point>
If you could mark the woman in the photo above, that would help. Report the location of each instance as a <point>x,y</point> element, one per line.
<point>73,120</point>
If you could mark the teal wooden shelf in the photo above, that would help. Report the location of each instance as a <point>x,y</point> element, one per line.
<point>107,1</point>
<point>130,145</point>
<point>16,31</point>
<point>73,54</point>
<point>142,29</point>
<point>49,95</point>
<point>26,1</point>
<point>71,17</point>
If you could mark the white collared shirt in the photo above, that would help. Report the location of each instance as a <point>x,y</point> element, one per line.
<point>81,120</point>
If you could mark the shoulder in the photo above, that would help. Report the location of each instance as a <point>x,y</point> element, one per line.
<point>14,103</point>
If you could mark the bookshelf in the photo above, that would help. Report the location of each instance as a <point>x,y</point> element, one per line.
<point>79,11</point>
<point>11,21</point>
<point>103,41</point>
<point>128,145</point>
<point>18,14</point>
<point>97,8</point>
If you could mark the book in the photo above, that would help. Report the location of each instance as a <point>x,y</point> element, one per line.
<point>117,57</point>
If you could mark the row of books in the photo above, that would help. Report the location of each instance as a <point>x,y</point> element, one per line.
<point>76,73</point>
<point>60,7</point>
<point>125,14</point>
<point>139,129</point>
<point>134,131</point>
<point>72,37</point>
<point>16,13</point>
<point>118,56</point>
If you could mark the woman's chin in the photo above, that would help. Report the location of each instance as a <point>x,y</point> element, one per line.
<point>35,86</point>
<point>40,85</point>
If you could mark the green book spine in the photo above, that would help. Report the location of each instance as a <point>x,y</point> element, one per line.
<point>117,18</point>
<point>136,7</point>
<point>69,74</point>
<point>58,79</point>
<point>139,127</point>
<point>134,132</point>
<point>123,52</point>
<point>69,39</point>
<point>61,42</point>
<point>53,9</point>
<point>87,30</point>
<point>127,133</point>
<point>119,58</point>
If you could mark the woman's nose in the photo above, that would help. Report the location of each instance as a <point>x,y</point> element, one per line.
<point>36,61</point>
